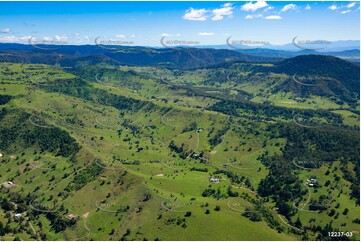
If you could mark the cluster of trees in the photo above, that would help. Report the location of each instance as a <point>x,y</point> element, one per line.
<point>191,127</point>
<point>15,129</point>
<point>110,76</point>
<point>322,144</point>
<point>85,176</point>
<point>267,112</point>
<point>218,194</point>
<point>210,192</point>
<point>58,222</point>
<point>5,229</point>
<point>217,138</point>
<point>199,169</point>
<point>82,89</point>
<point>235,178</point>
<point>281,184</point>
<point>18,203</point>
<point>181,151</point>
<point>354,178</point>
<point>326,144</point>
<point>5,99</point>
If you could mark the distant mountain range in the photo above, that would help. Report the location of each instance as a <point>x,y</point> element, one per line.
<point>73,55</point>
<point>181,58</point>
<point>323,46</point>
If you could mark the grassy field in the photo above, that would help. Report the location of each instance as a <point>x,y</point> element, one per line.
<point>147,190</point>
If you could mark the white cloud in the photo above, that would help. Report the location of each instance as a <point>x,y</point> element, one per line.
<point>288,7</point>
<point>6,30</point>
<point>273,17</point>
<point>308,7</point>
<point>205,34</point>
<point>61,38</point>
<point>122,36</point>
<point>165,35</point>
<point>195,14</point>
<point>24,38</point>
<point>332,7</point>
<point>268,8</point>
<point>219,13</point>
<point>254,6</point>
<point>47,38</point>
<point>14,39</point>
<point>252,16</point>
<point>351,5</point>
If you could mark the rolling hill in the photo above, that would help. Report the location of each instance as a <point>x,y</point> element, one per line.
<point>206,149</point>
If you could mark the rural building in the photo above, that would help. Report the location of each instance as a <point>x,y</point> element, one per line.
<point>213,180</point>
<point>311,182</point>
<point>71,216</point>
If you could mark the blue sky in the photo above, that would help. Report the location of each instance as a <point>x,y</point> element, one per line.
<point>145,23</point>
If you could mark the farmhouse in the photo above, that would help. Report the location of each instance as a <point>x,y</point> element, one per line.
<point>213,180</point>
<point>195,155</point>
<point>311,182</point>
<point>1,155</point>
<point>17,216</point>
<point>71,216</point>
